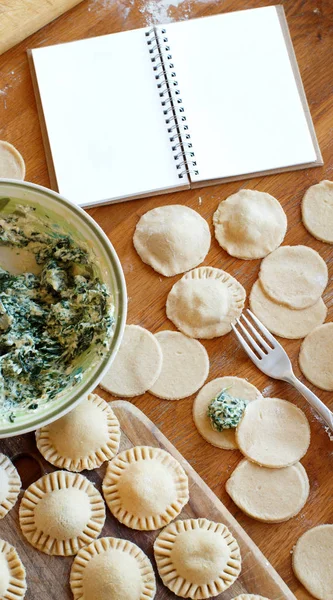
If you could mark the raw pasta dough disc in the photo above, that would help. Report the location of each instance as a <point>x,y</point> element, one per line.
<point>294,275</point>
<point>112,568</point>
<point>239,388</point>
<point>197,558</point>
<point>313,561</point>
<point>83,439</point>
<point>10,485</point>
<point>282,320</point>
<point>11,162</point>
<point>13,585</point>
<point>137,364</point>
<point>270,495</point>
<point>273,433</point>
<point>250,224</point>
<point>185,366</point>
<point>316,357</point>
<point>172,239</point>
<point>204,302</point>
<point>317,211</point>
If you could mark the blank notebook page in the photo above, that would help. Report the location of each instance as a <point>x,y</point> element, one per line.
<point>104,120</point>
<point>240,97</point>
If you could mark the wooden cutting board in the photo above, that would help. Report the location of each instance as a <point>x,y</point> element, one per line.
<point>48,576</point>
<point>21,18</point>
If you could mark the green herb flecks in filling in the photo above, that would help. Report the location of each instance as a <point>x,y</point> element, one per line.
<point>225,411</point>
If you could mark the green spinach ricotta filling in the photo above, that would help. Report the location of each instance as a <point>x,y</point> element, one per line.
<point>225,411</point>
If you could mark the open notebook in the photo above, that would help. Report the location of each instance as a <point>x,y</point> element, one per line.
<point>183,105</point>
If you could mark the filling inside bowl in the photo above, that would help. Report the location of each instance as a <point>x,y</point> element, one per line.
<point>50,314</point>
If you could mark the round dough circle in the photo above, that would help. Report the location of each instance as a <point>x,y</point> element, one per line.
<point>273,433</point>
<point>12,165</point>
<point>239,388</point>
<point>317,211</point>
<point>205,302</point>
<point>172,239</point>
<point>294,275</point>
<point>10,485</point>
<point>13,585</point>
<point>282,320</point>
<point>197,558</point>
<point>185,366</point>
<point>61,512</point>
<point>312,561</point>
<point>112,568</point>
<point>83,439</point>
<point>316,357</point>
<point>137,364</point>
<point>145,487</point>
<point>250,224</point>
<point>269,495</point>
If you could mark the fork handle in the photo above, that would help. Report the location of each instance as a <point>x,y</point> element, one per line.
<point>322,410</point>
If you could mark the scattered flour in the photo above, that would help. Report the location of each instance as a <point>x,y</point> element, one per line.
<point>153,11</point>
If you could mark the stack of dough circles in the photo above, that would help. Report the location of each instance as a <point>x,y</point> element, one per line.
<point>13,585</point>
<point>237,387</point>
<point>145,487</point>
<point>112,568</point>
<point>270,495</point>
<point>250,224</point>
<point>316,357</point>
<point>197,558</point>
<point>282,320</point>
<point>317,211</point>
<point>10,485</point>
<point>185,366</point>
<point>83,439</point>
<point>12,165</point>
<point>312,561</point>
<point>61,512</point>
<point>137,364</point>
<point>295,276</point>
<point>273,433</point>
<point>172,239</point>
<point>205,302</point>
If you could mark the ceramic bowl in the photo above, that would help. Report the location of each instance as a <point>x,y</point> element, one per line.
<point>73,220</point>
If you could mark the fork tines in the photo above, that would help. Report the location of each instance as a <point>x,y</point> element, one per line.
<point>256,345</point>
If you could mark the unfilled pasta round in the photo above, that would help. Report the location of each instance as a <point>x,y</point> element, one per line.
<point>185,366</point>
<point>313,561</point>
<point>172,239</point>
<point>250,224</point>
<point>137,364</point>
<point>237,387</point>
<point>317,211</point>
<point>282,320</point>
<point>270,495</point>
<point>316,357</point>
<point>294,275</point>
<point>273,433</point>
<point>12,165</point>
<point>205,302</point>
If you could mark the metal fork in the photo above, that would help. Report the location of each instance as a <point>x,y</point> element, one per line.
<point>273,360</point>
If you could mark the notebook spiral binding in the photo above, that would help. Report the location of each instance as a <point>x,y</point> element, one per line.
<point>170,100</point>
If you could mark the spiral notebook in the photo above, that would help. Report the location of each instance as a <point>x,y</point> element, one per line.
<point>172,107</point>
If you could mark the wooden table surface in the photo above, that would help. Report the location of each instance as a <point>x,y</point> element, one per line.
<point>311,26</point>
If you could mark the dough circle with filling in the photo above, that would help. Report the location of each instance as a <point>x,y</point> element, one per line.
<point>205,302</point>
<point>185,366</point>
<point>316,357</point>
<point>13,585</point>
<point>317,211</point>
<point>172,239</point>
<point>282,320</point>
<point>269,495</point>
<point>137,364</point>
<point>10,485</point>
<point>237,387</point>
<point>312,561</point>
<point>273,433</point>
<point>250,224</point>
<point>294,275</point>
